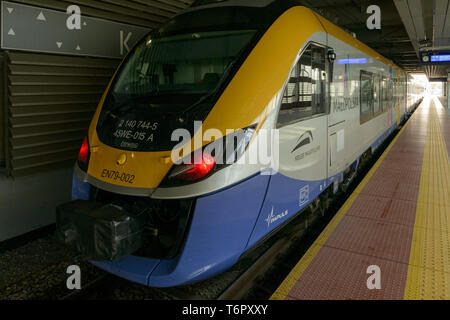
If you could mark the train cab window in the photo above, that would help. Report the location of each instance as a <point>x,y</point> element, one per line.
<point>179,64</point>
<point>367,96</point>
<point>305,94</point>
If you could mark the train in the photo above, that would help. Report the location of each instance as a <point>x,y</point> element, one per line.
<point>217,130</point>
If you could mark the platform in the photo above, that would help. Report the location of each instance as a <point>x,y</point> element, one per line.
<point>398,219</point>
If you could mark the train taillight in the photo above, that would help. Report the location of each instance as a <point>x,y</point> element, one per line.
<point>194,171</point>
<point>83,155</point>
<point>214,157</point>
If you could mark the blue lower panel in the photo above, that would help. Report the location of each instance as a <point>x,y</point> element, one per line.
<point>80,190</point>
<point>219,232</point>
<point>132,268</point>
<point>220,229</point>
<point>285,197</point>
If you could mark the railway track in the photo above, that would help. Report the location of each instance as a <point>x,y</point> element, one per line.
<point>243,285</point>
<point>88,288</point>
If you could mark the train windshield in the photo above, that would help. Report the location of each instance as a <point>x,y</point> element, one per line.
<point>174,76</point>
<point>192,63</point>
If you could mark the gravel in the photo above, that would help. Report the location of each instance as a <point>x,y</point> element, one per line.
<point>37,270</point>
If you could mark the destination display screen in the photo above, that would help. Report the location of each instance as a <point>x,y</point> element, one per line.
<point>440,58</point>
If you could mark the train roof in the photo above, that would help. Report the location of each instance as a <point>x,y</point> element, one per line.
<point>275,8</point>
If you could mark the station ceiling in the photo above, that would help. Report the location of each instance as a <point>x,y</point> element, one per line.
<point>392,41</point>
<point>407,27</point>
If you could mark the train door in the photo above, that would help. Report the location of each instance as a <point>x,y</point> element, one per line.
<point>302,124</point>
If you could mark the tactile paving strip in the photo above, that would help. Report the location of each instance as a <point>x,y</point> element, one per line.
<point>429,271</point>
<point>443,114</point>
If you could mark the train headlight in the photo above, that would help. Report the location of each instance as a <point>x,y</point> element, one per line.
<point>211,158</point>
<point>83,155</point>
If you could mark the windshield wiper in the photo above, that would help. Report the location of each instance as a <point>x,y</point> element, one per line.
<point>115,106</point>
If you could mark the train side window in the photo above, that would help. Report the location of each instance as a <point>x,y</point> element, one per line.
<point>367,96</point>
<point>390,94</point>
<point>319,80</point>
<point>305,94</point>
<point>394,93</point>
<point>384,94</point>
<point>376,95</point>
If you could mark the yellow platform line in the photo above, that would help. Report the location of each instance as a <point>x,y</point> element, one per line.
<point>286,286</point>
<point>429,264</point>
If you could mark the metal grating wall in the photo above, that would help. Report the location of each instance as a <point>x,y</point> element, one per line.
<point>50,99</point>
<point>2,113</point>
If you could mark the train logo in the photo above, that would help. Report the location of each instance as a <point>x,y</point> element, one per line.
<point>304,195</point>
<point>305,139</point>
<point>272,218</point>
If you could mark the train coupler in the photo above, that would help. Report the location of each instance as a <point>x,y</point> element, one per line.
<point>100,232</point>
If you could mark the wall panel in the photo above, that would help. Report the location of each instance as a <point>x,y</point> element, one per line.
<point>51,99</point>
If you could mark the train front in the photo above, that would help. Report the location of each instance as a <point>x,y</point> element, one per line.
<point>158,197</point>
